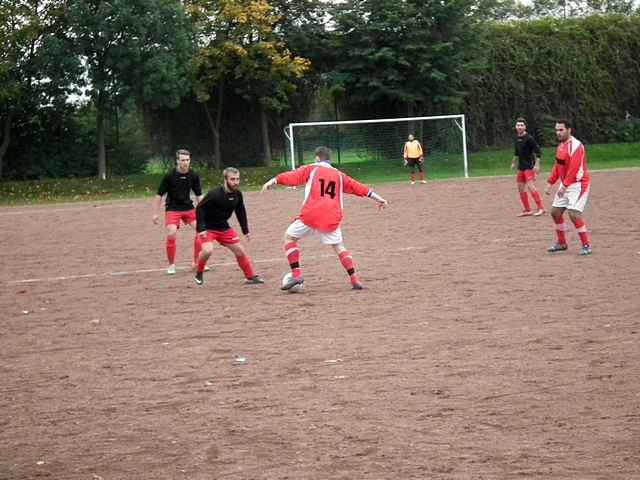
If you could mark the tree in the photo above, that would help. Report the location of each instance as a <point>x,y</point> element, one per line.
<point>239,49</point>
<point>130,48</point>
<point>33,70</point>
<point>409,53</point>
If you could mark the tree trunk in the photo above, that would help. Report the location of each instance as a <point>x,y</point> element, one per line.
<point>102,158</point>
<point>266,141</point>
<point>213,127</point>
<point>6,137</point>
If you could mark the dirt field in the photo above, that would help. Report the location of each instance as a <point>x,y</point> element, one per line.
<point>472,354</point>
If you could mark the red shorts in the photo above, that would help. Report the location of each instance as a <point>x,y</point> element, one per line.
<point>174,217</point>
<point>523,176</point>
<point>226,237</point>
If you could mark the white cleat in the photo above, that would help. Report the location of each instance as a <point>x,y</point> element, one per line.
<point>172,269</point>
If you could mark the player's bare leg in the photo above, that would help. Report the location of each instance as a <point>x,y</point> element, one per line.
<point>524,199</point>
<point>197,245</point>
<point>581,227</point>
<point>292,251</point>
<point>347,262</point>
<point>206,249</point>
<point>561,228</point>
<point>244,262</point>
<point>536,198</point>
<point>170,246</point>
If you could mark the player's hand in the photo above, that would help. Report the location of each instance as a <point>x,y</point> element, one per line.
<point>536,168</point>
<point>156,219</point>
<point>421,160</point>
<point>268,185</point>
<point>547,189</point>
<point>513,166</point>
<point>561,191</point>
<point>247,237</point>
<point>383,204</point>
<point>203,234</point>
<point>405,162</point>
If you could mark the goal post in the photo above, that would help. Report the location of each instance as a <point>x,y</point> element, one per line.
<point>379,143</point>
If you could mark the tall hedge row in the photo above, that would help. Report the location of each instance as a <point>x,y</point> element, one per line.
<point>586,69</point>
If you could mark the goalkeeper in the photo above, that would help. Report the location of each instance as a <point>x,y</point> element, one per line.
<point>414,157</point>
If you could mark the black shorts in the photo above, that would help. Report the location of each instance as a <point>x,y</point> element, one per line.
<point>414,162</point>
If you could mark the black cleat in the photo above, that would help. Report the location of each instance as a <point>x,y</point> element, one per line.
<point>293,281</point>
<point>557,247</point>
<point>199,278</point>
<point>255,280</point>
<point>357,286</point>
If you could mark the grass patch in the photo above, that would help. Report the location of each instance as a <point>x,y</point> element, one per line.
<point>484,163</point>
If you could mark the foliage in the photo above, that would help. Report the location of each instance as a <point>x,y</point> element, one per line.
<point>585,69</point>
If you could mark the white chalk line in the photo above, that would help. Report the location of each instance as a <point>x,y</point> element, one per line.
<point>181,268</point>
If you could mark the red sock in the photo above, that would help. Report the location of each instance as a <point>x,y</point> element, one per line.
<point>245,264</point>
<point>292,252</point>
<point>581,227</point>
<point>347,263</point>
<point>560,229</point>
<point>536,198</point>
<point>413,176</point>
<point>421,176</point>
<point>171,250</point>
<point>524,198</point>
<point>197,246</point>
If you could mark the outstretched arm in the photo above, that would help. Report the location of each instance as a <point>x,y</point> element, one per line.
<point>382,203</point>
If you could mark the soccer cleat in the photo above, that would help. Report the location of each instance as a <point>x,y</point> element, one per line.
<point>199,278</point>
<point>293,281</point>
<point>557,247</point>
<point>357,286</point>
<point>413,182</point>
<point>585,250</point>
<point>540,211</point>
<point>423,181</point>
<point>172,269</point>
<point>525,213</point>
<point>255,280</point>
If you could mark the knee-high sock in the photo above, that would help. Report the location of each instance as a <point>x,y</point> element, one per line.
<point>292,252</point>
<point>171,250</point>
<point>200,264</point>
<point>245,265</point>
<point>421,174</point>
<point>347,262</point>
<point>197,246</point>
<point>581,227</point>
<point>560,230</point>
<point>413,176</point>
<point>537,199</point>
<point>524,198</point>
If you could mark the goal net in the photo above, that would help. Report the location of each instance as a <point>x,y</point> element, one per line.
<point>379,144</point>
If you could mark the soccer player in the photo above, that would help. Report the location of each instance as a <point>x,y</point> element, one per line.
<point>178,185</point>
<point>527,155</point>
<point>414,158</point>
<point>570,168</point>
<point>321,211</point>
<point>212,214</point>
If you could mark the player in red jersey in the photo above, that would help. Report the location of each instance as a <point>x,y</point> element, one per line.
<point>570,168</point>
<point>178,185</point>
<point>321,211</point>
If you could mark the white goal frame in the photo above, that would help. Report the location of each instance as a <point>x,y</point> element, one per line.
<point>459,120</point>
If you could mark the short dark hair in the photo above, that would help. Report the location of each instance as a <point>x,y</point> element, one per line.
<point>565,122</point>
<point>323,153</point>
<point>521,120</point>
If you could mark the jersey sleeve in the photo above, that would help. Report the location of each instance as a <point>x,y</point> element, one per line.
<point>200,224</point>
<point>299,176</point>
<point>420,149</point>
<point>554,175</point>
<point>576,161</point>
<point>197,187</point>
<point>354,187</point>
<point>164,185</point>
<point>241,215</point>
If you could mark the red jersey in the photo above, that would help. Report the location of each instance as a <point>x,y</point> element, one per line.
<point>570,165</point>
<point>323,193</point>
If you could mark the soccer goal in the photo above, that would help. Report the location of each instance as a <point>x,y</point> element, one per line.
<point>379,143</point>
